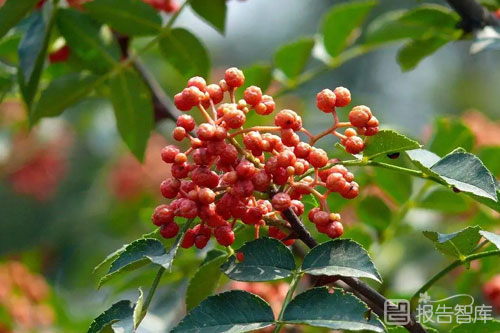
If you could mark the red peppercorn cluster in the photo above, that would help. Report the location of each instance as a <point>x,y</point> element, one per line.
<point>234,173</point>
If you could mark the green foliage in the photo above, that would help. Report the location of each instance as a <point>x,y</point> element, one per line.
<point>133,108</point>
<point>12,12</point>
<point>205,281</point>
<point>185,53</point>
<point>291,58</point>
<point>490,156</point>
<point>410,55</point>
<point>341,21</point>
<point>450,134</point>
<point>477,327</point>
<point>135,255</point>
<point>137,316</point>
<point>119,313</point>
<point>242,312</point>
<point>397,185</point>
<point>373,211</point>
<point>444,200</point>
<point>214,12</point>
<point>61,93</point>
<point>129,17</point>
<point>82,34</point>
<point>491,237</point>
<point>265,259</point>
<point>342,257</point>
<point>457,244</point>
<point>387,142</point>
<point>338,311</point>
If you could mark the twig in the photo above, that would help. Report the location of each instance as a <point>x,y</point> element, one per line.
<point>474,15</point>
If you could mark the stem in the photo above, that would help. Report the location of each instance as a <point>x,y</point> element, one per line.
<point>293,285</point>
<point>448,269</point>
<point>257,129</point>
<point>151,293</point>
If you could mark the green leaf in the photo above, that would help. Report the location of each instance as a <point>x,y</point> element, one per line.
<point>120,311</point>
<point>291,58</point>
<point>129,17</point>
<point>425,20</point>
<point>185,53</point>
<point>12,12</point>
<point>423,159</point>
<point>450,134</point>
<point>82,35</point>
<point>467,173</point>
<point>204,282</point>
<point>214,12</point>
<point>136,254</point>
<point>257,75</point>
<point>138,315</point>
<point>410,55</point>
<point>338,311</point>
<point>478,327</point>
<point>32,51</point>
<point>265,259</point>
<point>491,158</point>
<point>8,49</point>
<point>397,185</point>
<point>387,142</point>
<point>457,244</point>
<point>342,257</point>
<point>62,93</point>
<point>133,106</point>
<point>444,200</point>
<point>340,22</point>
<point>232,311</point>
<point>373,211</point>
<point>491,237</point>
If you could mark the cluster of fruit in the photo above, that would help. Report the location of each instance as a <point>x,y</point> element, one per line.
<point>234,173</point>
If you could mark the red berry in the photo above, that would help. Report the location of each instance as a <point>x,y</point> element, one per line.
<point>288,119</point>
<point>280,176</point>
<point>224,235</point>
<point>334,229</point>
<point>192,95</point>
<point>179,133</point>
<point>180,171</point>
<point>312,214</point>
<point>198,82</point>
<point>281,201</point>
<point>205,131</point>
<point>289,137</point>
<point>181,103</point>
<point>169,230</point>
<point>335,182</point>
<point>321,218</point>
<point>188,239</point>
<point>343,96</point>
<point>325,100</point>
<point>350,191</point>
<point>360,115</point>
<point>245,169</point>
<point>234,118</point>
<point>187,122</point>
<point>286,158</point>
<point>252,215</point>
<point>354,145</point>
<point>206,196</point>
<point>215,92</point>
<point>168,153</point>
<point>261,180</point>
<point>318,158</point>
<point>60,55</point>
<point>240,256</point>
<point>302,150</point>
<point>200,241</point>
<point>170,187</point>
<point>297,207</point>
<point>253,95</point>
<point>162,215</point>
<point>234,77</point>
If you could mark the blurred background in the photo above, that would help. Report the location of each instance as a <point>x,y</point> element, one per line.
<point>70,193</point>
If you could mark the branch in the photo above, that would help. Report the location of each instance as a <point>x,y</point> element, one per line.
<point>474,15</point>
<point>372,297</point>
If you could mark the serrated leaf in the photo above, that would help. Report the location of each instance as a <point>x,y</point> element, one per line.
<point>467,173</point>
<point>130,17</point>
<point>32,51</point>
<point>82,35</point>
<point>61,93</point>
<point>342,257</point>
<point>340,22</point>
<point>185,53</point>
<point>444,200</point>
<point>120,311</point>
<point>133,107</point>
<point>411,54</point>
<point>135,255</point>
<point>373,211</point>
<point>425,20</point>
<point>423,159</point>
<point>204,282</point>
<point>265,259</point>
<point>458,244</point>
<point>233,311</point>
<point>214,12</point>
<point>491,237</point>
<point>479,326</point>
<point>388,142</point>
<point>137,315</point>
<point>450,134</point>
<point>338,311</point>
<point>12,12</point>
<point>291,58</point>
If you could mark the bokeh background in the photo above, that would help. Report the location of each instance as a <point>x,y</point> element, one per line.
<point>70,193</point>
